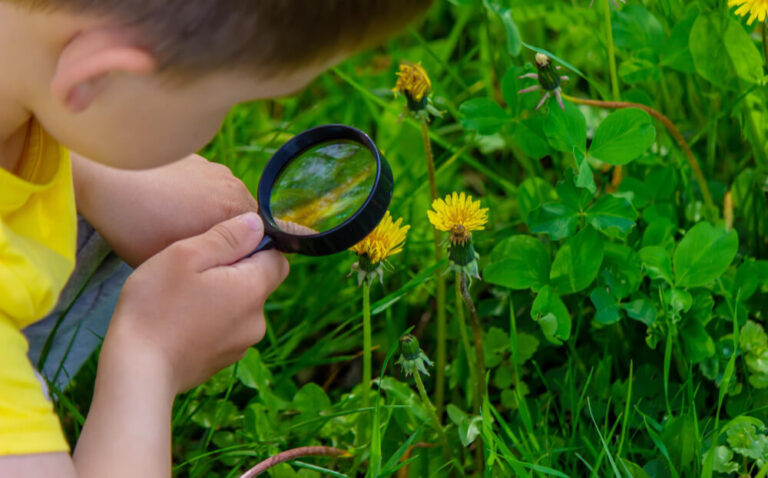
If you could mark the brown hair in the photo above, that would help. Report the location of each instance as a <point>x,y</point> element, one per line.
<point>268,35</point>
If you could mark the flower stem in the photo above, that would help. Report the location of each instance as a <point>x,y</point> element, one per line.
<point>477,335</point>
<point>367,357</point>
<point>464,336</point>
<point>292,455</point>
<point>477,395</point>
<point>611,50</point>
<point>438,426</point>
<point>439,278</point>
<point>765,43</point>
<point>673,131</point>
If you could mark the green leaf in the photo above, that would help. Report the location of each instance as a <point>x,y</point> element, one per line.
<point>532,193</point>
<point>311,398</point>
<point>622,270</point>
<point>566,130</point>
<point>555,219</point>
<point>518,262</point>
<point>623,136</point>
<point>252,372</point>
<point>722,51</point>
<point>550,312</point>
<point>641,309</point>
<point>571,194</point>
<point>577,262</point>
<point>468,427</point>
<point>612,215</point>
<point>635,70</point>
<point>483,115</point>
<point>510,85</point>
<point>657,263</point>
<point>697,343</point>
<point>606,307</point>
<point>514,45</point>
<point>675,54</point>
<point>529,136</point>
<point>585,178</point>
<point>703,254</point>
<point>721,460</point>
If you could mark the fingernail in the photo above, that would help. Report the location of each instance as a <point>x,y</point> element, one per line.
<point>252,220</point>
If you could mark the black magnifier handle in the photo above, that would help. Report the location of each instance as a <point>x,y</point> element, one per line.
<point>266,243</point>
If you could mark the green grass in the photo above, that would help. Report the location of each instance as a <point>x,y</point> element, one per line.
<point>626,391</point>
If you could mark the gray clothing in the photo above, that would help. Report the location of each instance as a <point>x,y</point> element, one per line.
<point>83,311</point>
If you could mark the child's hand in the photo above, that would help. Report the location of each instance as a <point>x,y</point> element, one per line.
<point>196,306</point>
<point>142,212</point>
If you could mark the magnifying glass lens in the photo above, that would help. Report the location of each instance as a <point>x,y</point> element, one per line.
<point>323,187</point>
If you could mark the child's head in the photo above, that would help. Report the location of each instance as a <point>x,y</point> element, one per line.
<point>139,83</point>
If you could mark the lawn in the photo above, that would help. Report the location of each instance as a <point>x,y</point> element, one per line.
<point>604,317</point>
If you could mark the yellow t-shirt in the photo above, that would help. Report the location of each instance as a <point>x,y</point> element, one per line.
<point>38,233</point>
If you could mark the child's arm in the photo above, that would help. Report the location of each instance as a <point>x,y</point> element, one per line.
<point>141,212</point>
<point>182,315</point>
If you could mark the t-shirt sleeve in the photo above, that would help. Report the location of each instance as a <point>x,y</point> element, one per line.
<point>28,423</point>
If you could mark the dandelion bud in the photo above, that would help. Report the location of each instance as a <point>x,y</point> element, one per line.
<point>548,77</point>
<point>409,347</point>
<point>412,358</point>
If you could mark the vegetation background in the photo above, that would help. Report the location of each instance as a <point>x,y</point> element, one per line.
<point>623,312</point>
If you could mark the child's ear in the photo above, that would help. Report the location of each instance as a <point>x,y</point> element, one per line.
<point>87,60</point>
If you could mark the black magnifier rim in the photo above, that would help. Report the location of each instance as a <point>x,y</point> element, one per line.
<point>349,232</point>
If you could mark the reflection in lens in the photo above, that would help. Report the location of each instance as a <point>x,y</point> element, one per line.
<point>323,187</point>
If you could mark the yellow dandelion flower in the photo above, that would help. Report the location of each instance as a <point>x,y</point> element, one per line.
<point>386,240</point>
<point>459,215</point>
<point>413,82</point>
<point>756,9</point>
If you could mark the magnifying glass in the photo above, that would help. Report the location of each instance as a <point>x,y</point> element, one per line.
<point>323,191</point>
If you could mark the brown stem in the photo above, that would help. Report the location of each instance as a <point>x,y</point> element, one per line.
<point>694,163</point>
<point>292,455</point>
<point>477,335</point>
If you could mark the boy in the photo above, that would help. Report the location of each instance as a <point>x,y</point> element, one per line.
<point>138,84</point>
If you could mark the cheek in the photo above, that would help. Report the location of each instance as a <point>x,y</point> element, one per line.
<point>137,128</point>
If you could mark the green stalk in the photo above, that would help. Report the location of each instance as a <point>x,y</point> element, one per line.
<point>465,337</point>
<point>477,335</point>
<point>439,278</point>
<point>477,394</point>
<point>611,50</point>
<point>765,45</point>
<point>367,357</point>
<point>438,426</point>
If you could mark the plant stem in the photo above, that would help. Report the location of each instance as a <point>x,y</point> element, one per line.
<point>433,416</point>
<point>611,50</point>
<point>465,338</point>
<point>477,335</point>
<point>367,357</point>
<point>292,455</point>
<point>439,278</point>
<point>673,131</point>
<point>476,376</point>
<point>765,44</point>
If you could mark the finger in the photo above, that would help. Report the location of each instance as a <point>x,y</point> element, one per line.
<point>263,272</point>
<point>226,242</point>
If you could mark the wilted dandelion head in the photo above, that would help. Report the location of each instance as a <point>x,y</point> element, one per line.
<point>756,9</point>
<point>459,215</point>
<point>542,60</point>
<point>386,240</point>
<point>413,82</point>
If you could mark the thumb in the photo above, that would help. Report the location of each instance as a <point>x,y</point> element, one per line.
<point>227,242</point>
